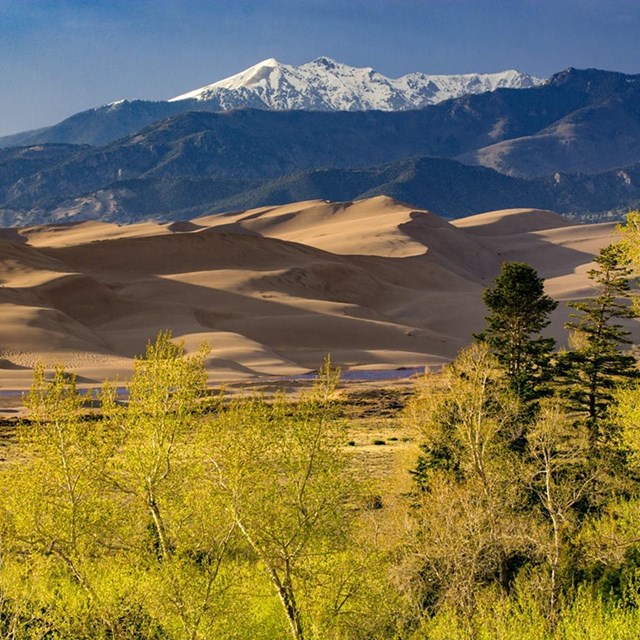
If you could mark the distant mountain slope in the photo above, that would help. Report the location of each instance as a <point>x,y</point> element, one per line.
<point>247,145</point>
<point>327,85</point>
<point>590,140</point>
<point>585,121</point>
<point>15,163</point>
<point>440,185</point>
<point>100,125</point>
<point>444,186</point>
<point>454,190</point>
<point>463,125</point>
<point>259,144</point>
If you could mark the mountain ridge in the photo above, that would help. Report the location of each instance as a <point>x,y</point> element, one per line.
<point>327,85</point>
<point>441,185</point>
<point>579,122</point>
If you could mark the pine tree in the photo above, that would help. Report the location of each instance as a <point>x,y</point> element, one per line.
<point>519,311</point>
<point>597,365</point>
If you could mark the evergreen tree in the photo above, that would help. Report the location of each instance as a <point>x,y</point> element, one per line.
<point>597,365</point>
<point>519,311</point>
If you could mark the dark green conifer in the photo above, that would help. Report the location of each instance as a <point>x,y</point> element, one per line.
<point>596,364</point>
<point>519,311</point>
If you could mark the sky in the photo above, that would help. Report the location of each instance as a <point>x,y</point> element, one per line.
<point>58,57</point>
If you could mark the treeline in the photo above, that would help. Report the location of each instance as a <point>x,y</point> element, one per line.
<point>180,514</point>
<point>528,508</point>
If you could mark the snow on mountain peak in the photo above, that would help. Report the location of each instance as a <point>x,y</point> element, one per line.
<point>325,84</point>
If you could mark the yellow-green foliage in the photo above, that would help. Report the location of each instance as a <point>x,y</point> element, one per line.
<point>630,241</point>
<point>586,617</point>
<point>168,517</point>
<point>468,521</point>
<point>627,415</point>
<point>156,519</point>
<point>631,236</point>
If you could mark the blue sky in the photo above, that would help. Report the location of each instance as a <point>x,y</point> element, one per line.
<point>58,57</point>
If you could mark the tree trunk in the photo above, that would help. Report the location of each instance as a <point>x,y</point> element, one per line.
<point>288,600</point>
<point>158,525</point>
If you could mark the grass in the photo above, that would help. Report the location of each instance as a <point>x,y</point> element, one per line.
<point>378,436</point>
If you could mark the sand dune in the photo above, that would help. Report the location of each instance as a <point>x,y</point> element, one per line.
<point>336,227</point>
<point>511,221</point>
<point>376,283</point>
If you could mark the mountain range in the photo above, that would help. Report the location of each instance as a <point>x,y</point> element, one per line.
<point>321,85</point>
<point>571,144</point>
<point>327,85</point>
<point>444,186</point>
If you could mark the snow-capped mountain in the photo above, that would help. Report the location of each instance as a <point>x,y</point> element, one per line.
<point>320,85</point>
<point>327,85</point>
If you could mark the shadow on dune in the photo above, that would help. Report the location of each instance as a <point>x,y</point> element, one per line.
<point>296,301</point>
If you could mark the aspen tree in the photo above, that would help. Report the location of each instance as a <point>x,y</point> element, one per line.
<point>282,468</point>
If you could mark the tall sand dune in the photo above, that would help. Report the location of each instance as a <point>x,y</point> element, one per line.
<point>376,283</point>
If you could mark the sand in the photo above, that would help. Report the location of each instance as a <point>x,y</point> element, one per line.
<point>375,283</point>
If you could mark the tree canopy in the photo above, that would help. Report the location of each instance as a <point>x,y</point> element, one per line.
<point>519,311</point>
